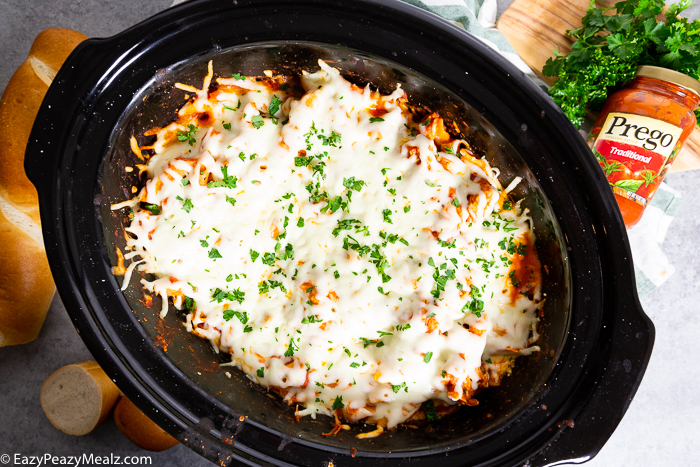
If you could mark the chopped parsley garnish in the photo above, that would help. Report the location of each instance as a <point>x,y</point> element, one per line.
<point>386,213</point>
<point>352,184</point>
<point>291,348</point>
<point>268,259</point>
<point>311,319</point>
<point>227,126</point>
<point>447,244</point>
<point>430,412</point>
<point>332,140</point>
<point>226,182</point>
<point>241,315</point>
<point>257,121</point>
<point>214,254</point>
<point>188,135</point>
<point>474,305</point>
<point>338,403</point>
<point>300,222</point>
<point>230,200</point>
<point>403,327</point>
<point>334,205</point>
<point>238,76</point>
<point>204,243</point>
<point>153,208</point>
<point>261,372</point>
<point>220,295</point>
<point>428,357</point>
<point>274,106</point>
<point>367,342</point>
<point>440,279</point>
<point>511,247</point>
<point>345,224</point>
<point>513,279</point>
<point>397,387</point>
<point>187,204</point>
<point>376,119</point>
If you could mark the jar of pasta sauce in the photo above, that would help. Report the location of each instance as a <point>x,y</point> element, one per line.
<point>639,133</point>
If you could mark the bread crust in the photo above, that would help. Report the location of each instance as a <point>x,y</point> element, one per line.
<point>26,286</point>
<point>140,429</point>
<point>81,391</point>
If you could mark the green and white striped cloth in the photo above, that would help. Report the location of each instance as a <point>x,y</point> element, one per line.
<point>652,267</point>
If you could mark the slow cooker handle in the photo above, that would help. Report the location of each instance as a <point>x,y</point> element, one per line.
<point>627,347</point>
<point>70,94</point>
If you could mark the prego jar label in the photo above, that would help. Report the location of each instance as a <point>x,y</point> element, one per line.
<point>633,150</point>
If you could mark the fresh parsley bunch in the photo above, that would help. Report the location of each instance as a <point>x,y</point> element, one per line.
<point>610,47</point>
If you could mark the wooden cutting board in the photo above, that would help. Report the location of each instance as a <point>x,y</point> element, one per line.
<point>536,27</point>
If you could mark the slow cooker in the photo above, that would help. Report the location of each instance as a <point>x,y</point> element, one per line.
<point>560,405</point>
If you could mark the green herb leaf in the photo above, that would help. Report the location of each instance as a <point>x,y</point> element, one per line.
<point>274,106</point>
<point>227,182</point>
<point>257,121</point>
<point>152,208</point>
<point>430,412</point>
<point>338,403</point>
<point>290,348</point>
<point>187,205</point>
<point>188,135</point>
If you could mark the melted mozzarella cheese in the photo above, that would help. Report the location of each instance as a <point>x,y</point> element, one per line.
<point>342,258</point>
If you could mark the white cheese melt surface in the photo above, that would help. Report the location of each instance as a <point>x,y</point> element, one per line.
<point>334,250</point>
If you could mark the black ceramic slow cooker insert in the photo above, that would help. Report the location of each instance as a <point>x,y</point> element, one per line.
<point>560,405</point>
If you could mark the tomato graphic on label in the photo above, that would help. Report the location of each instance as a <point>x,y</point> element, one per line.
<point>614,170</point>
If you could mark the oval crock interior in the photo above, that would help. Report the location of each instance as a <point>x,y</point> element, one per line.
<point>157,103</point>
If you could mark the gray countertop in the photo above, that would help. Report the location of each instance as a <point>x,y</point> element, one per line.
<point>660,428</point>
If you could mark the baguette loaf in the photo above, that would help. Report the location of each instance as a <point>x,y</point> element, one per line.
<point>78,397</point>
<point>140,429</point>
<point>26,285</point>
